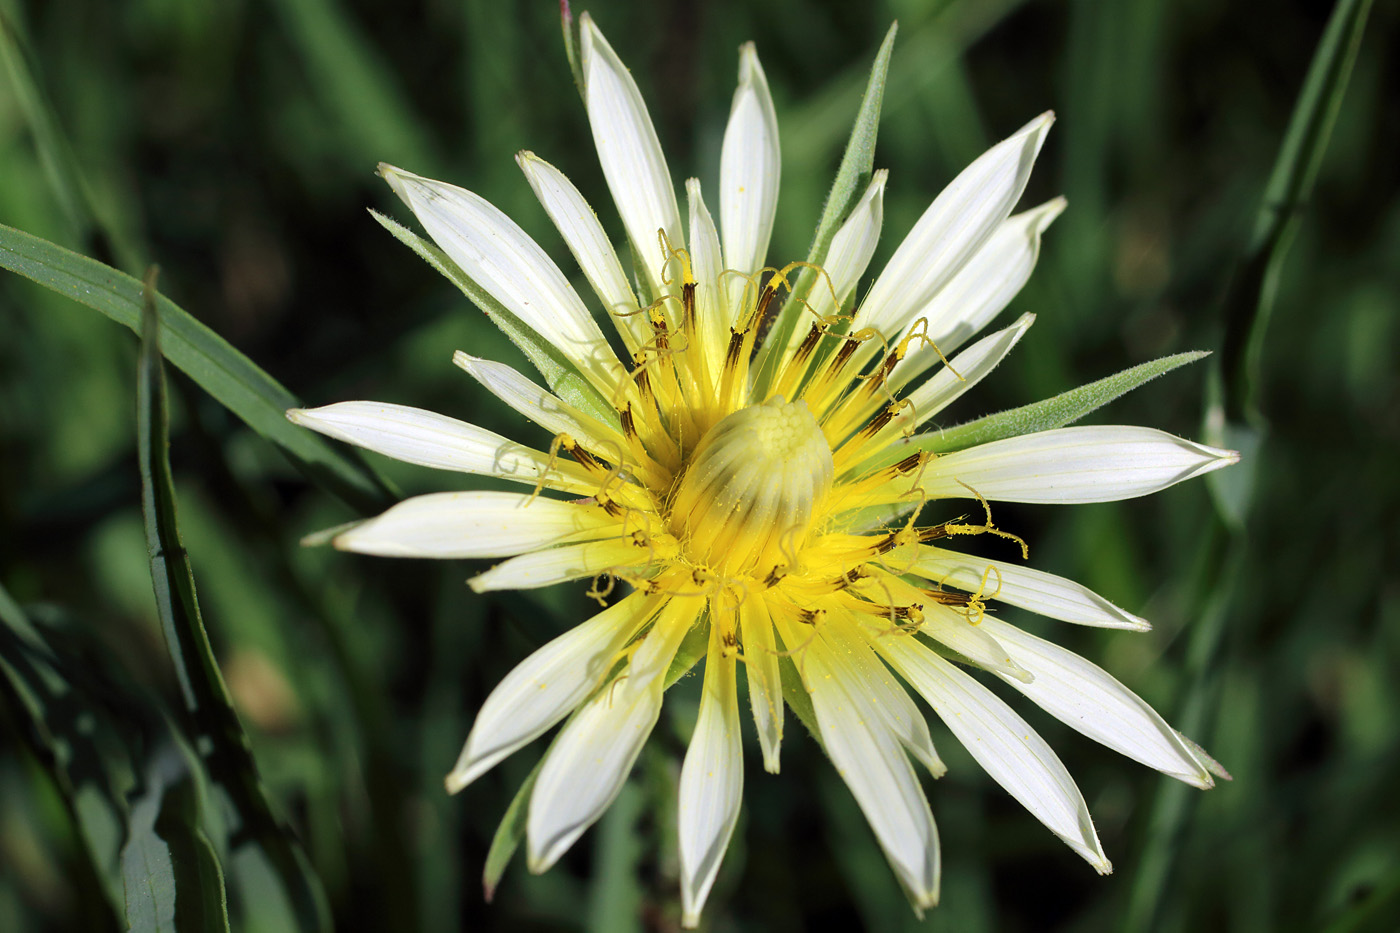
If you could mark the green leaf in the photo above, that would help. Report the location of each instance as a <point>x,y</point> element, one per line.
<point>1063,409</point>
<point>75,739</point>
<point>795,693</point>
<point>852,178</point>
<point>1250,298</point>
<point>510,832</point>
<point>173,878</point>
<point>226,374</point>
<point>693,647</point>
<point>228,754</point>
<point>562,376</point>
<point>356,86</point>
<point>55,154</point>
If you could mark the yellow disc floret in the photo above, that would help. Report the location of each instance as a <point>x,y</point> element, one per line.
<point>746,502</point>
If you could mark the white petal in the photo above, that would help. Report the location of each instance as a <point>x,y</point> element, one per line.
<point>749,167</point>
<point>980,290</point>
<point>476,524</point>
<point>570,562</point>
<point>581,230</point>
<point>500,257</point>
<point>630,153</point>
<point>546,686</point>
<point>1073,465</point>
<point>713,311</point>
<point>862,672</point>
<point>964,371</point>
<point>952,230</point>
<point>585,770</point>
<point>949,627</point>
<point>1034,590</point>
<point>764,681</point>
<point>712,782</point>
<point>846,259</point>
<point>872,762</point>
<point>1003,743</point>
<point>658,648</point>
<point>943,623</point>
<point>432,440</point>
<point>543,407</point>
<point>1085,697</point>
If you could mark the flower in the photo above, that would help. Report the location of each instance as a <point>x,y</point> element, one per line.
<point>770,499</point>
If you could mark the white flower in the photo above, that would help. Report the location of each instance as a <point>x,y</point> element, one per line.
<point>781,513</point>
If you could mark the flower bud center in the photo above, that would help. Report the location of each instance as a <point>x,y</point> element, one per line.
<point>746,501</point>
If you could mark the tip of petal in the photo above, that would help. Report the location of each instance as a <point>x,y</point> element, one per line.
<point>1020,673</point>
<point>397,180</point>
<point>295,415</point>
<point>1047,212</point>
<point>456,782</point>
<point>540,862</point>
<point>925,900</point>
<point>750,70</point>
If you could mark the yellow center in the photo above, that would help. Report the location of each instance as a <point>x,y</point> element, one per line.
<point>746,500</point>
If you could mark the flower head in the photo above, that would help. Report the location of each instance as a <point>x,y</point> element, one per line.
<point>764,485</point>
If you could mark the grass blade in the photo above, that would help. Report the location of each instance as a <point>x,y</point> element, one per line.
<point>55,154</point>
<point>356,86</point>
<point>52,712</point>
<point>230,377</point>
<point>225,746</point>
<point>852,177</point>
<point>173,878</point>
<point>1250,298</point>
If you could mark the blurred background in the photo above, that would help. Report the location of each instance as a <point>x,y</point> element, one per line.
<point>234,144</point>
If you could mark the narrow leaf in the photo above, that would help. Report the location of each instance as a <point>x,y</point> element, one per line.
<point>510,833</point>
<point>230,377</point>
<point>55,153</point>
<point>798,700</point>
<point>562,376</point>
<point>1250,297</point>
<point>74,739</point>
<point>852,178</point>
<point>693,647</point>
<point>172,877</point>
<point>1063,409</point>
<point>225,746</point>
<point>355,85</point>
